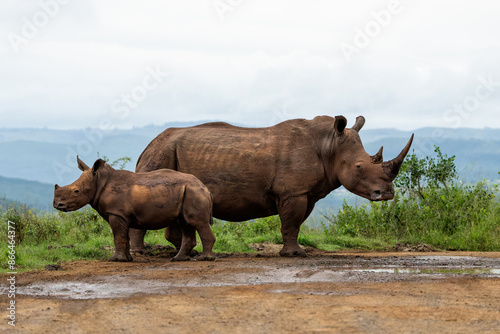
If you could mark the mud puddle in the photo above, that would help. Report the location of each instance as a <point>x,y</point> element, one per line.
<point>164,278</point>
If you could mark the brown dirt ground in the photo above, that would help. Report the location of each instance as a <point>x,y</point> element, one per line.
<point>448,304</point>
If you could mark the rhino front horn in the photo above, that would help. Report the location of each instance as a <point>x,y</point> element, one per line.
<point>391,168</point>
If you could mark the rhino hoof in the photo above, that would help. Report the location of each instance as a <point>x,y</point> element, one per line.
<point>293,253</point>
<point>122,258</point>
<point>193,253</point>
<point>181,258</point>
<point>205,258</point>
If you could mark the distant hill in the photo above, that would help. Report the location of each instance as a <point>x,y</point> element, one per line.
<point>35,194</point>
<point>48,156</point>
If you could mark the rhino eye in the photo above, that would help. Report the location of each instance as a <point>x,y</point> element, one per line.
<point>77,191</point>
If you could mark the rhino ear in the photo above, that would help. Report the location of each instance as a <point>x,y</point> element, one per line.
<point>98,165</point>
<point>340,124</point>
<point>81,165</point>
<point>56,187</point>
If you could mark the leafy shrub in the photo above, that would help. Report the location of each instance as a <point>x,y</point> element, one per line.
<point>431,206</point>
<point>84,224</point>
<point>30,227</point>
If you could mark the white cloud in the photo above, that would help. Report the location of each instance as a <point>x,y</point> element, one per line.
<point>265,62</point>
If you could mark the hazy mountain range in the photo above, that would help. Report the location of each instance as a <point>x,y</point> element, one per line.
<point>33,160</point>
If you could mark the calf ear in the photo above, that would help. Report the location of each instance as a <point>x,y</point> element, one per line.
<point>98,165</point>
<point>340,124</point>
<point>81,165</point>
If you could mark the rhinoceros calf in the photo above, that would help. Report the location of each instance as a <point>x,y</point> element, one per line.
<point>149,201</point>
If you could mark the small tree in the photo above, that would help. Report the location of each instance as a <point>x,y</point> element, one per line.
<point>416,173</point>
<point>120,162</point>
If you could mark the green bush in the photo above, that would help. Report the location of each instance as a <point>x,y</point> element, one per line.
<point>431,206</point>
<point>47,237</point>
<point>30,227</point>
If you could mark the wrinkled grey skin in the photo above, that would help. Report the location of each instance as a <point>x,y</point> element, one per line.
<point>283,169</point>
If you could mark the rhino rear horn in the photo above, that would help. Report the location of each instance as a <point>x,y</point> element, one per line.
<point>360,121</point>
<point>391,167</point>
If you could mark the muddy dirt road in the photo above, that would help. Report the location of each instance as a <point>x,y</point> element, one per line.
<point>327,292</point>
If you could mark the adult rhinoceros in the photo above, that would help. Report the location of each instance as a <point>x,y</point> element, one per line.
<point>283,169</point>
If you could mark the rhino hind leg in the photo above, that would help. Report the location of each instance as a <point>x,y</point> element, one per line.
<point>197,213</point>
<point>293,212</point>
<point>173,234</point>
<point>188,243</point>
<point>207,240</point>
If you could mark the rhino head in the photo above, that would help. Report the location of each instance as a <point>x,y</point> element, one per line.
<point>368,176</point>
<point>81,192</point>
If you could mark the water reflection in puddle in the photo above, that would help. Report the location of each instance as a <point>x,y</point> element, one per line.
<point>123,286</point>
<point>331,270</point>
<point>433,271</point>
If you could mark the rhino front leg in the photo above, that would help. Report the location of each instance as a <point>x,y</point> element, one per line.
<point>137,240</point>
<point>121,239</point>
<point>292,211</point>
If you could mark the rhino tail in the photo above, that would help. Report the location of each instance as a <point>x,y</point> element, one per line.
<point>211,209</point>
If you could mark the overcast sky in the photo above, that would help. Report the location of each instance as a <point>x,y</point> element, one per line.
<point>402,64</point>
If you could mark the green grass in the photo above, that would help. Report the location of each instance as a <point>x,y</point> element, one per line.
<point>458,218</point>
<point>48,237</point>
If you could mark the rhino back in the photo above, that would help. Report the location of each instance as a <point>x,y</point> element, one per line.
<point>148,200</point>
<point>246,169</point>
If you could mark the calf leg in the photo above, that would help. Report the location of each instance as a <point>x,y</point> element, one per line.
<point>292,211</point>
<point>197,212</point>
<point>121,239</point>
<point>188,242</point>
<point>207,240</point>
<point>173,234</point>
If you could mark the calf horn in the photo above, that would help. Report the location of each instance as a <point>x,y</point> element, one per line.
<point>391,168</point>
<point>377,158</point>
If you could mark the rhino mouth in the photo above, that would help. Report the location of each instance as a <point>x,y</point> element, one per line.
<point>378,195</point>
<point>61,207</point>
